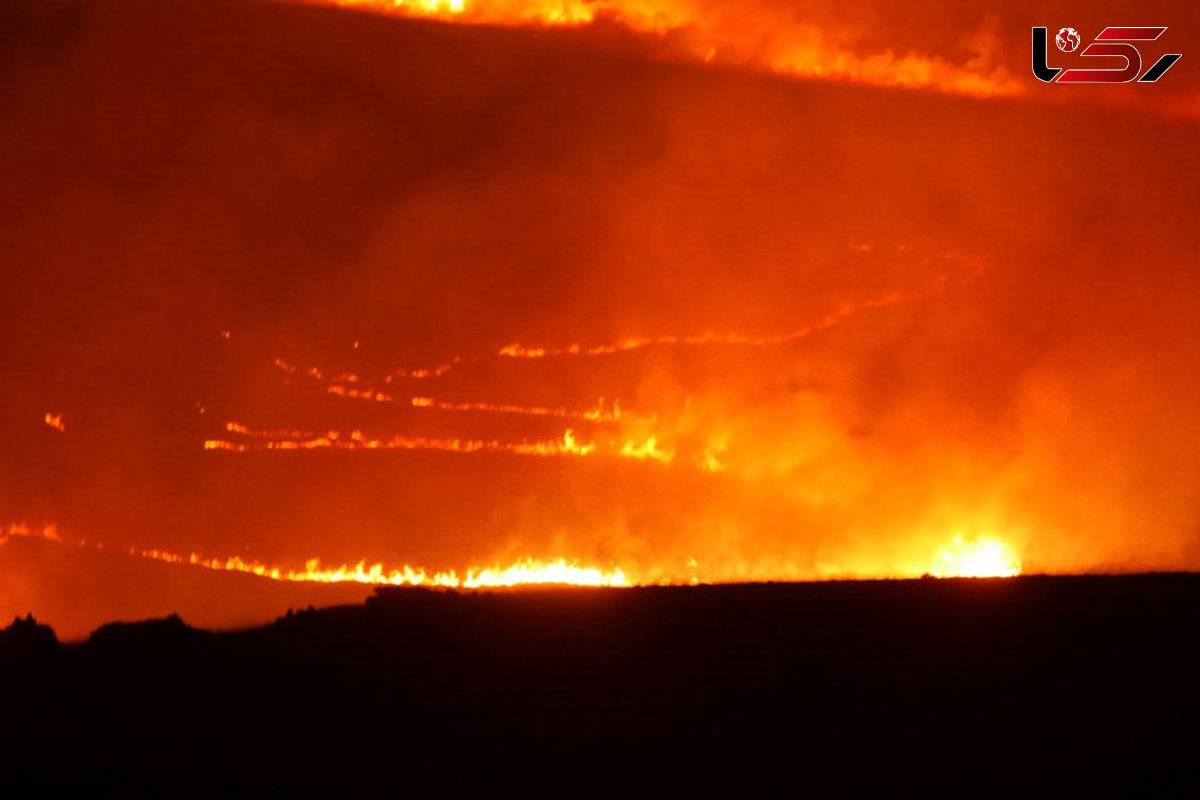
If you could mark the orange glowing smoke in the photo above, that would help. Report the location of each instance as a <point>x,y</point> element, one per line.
<point>512,225</point>
<point>683,437</point>
<point>348,384</point>
<point>640,437</point>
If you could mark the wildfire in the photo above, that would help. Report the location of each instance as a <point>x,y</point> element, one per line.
<point>354,386</point>
<point>527,572</point>
<point>641,438</point>
<point>55,421</point>
<point>841,312</point>
<point>647,449</point>
<point>524,572</point>
<point>761,38</point>
<point>601,412</point>
<point>985,557</point>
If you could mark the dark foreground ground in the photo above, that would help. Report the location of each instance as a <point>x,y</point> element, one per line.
<point>1075,684</point>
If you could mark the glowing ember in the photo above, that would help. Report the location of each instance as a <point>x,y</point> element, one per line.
<point>23,530</point>
<point>600,413</point>
<point>360,394</point>
<point>985,557</point>
<point>640,449</point>
<point>843,311</point>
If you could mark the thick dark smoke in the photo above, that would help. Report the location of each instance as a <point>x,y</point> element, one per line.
<point>1017,357</point>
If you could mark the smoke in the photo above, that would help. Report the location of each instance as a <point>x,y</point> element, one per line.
<point>864,321</point>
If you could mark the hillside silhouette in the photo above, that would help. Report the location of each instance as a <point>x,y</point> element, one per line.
<point>1054,684</point>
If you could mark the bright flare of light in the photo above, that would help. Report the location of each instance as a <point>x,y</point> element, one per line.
<point>985,557</point>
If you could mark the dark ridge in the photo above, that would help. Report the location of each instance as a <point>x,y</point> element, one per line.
<point>1033,684</point>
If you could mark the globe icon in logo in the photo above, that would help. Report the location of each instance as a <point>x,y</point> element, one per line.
<point>1067,39</point>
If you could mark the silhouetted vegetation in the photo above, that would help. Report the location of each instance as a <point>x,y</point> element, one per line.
<point>1070,684</point>
<point>25,637</point>
<point>167,633</point>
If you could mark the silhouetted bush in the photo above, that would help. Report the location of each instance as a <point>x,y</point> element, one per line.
<point>27,637</point>
<point>161,634</point>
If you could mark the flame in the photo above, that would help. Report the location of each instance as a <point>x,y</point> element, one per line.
<point>338,384</point>
<point>642,450</point>
<point>55,421</point>
<point>598,413</point>
<point>764,38</point>
<point>523,572</point>
<point>220,444</point>
<point>361,394</point>
<point>427,372</point>
<point>318,374</point>
<point>24,530</point>
<point>532,573</point>
<point>649,438</point>
<point>648,450</point>
<point>985,557</point>
<point>526,572</point>
<point>644,439</point>
<point>840,313</point>
<point>601,412</point>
